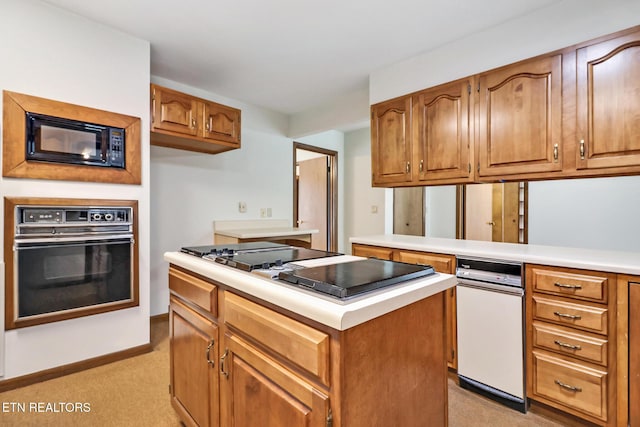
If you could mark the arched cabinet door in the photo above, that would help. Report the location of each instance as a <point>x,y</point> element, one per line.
<point>391,142</point>
<point>444,134</point>
<point>608,103</point>
<point>520,114</point>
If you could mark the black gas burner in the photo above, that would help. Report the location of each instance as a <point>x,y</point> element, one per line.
<point>266,259</point>
<point>229,249</point>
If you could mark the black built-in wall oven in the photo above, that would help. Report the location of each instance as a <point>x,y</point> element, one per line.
<point>70,259</point>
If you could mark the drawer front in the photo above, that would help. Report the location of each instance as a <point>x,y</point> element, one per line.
<point>440,263</point>
<point>194,289</point>
<point>591,287</point>
<point>372,251</point>
<point>570,342</point>
<point>581,316</point>
<point>577,386</point>
<point>296,342</point>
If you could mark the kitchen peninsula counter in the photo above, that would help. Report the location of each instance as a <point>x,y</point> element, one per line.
<point>242,344</point>
<point>322,309</point>
<point>610,261</point>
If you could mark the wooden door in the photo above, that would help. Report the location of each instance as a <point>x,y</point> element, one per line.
<point>608,96</point>
<point>478,212</point>
<point>634,354</point>
<point>520,113</point>
<point>174,111</point>
<point>221,123</point>
<point>391,141</point>
<point>408,211</point>
<point>194,378</point>
<point>444,132</point>
<point>313,208</point>
<point>257,391</point>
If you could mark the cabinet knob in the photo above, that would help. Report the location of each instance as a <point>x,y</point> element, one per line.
<point>193,123</point>
<point>421,166</point>
<point>209,361</point>
<point>408,167</point>
<point>582,149</point>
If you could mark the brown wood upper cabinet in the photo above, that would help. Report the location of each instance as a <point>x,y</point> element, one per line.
<point>608,103</point>
<point>567,114</point>
<point>391,142</point>
<point>189,123</point>
<point>520,113</point>
<point>443,133</point>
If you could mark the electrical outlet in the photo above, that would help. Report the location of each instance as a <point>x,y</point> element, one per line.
<point>268,212</point>
<point>242,207</point>
<point>374,209</point>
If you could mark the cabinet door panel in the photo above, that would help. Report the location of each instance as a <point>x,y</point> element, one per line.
<point>608,85</point>
<point>194,381</point>
<point>174,111</point>
<point>391,141</point>
<point>372,252</point>
<point>443,115</point>
<point>260,392</point>
<point>520,118</point>
<point>221,123</point>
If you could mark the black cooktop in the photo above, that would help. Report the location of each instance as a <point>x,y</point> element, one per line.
<point>348,279</point>
<point>229,249</point>
<point>265,259</point>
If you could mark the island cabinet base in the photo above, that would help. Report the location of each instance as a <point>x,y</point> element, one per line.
<point>392,371</point>
<point>277,368</point>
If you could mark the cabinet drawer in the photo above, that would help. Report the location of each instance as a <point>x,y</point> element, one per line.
<point>300,344</point>
<point>570,342</point>
<point>194,289</point>
<point>574,385</point>
<point>592,286</point>
<point>372,251</point>
<point>440,263</point>
<point>581,316</point>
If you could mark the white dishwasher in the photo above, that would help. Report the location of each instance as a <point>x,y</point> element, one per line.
<point>490,315</point>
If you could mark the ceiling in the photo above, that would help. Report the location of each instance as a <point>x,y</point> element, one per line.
<point>291,55</point>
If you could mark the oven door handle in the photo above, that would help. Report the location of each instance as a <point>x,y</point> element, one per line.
<point>71,241</point>
<point>492,287</point>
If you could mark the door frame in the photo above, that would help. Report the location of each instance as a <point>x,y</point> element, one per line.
<point>332,191</point>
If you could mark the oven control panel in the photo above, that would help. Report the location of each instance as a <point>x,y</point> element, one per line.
<point>73,215</point>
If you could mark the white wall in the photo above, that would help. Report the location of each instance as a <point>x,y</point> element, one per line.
<point>360,196</point>
<point>597,213</point>
<point>577,213</point>
<point>191,190</point>
<point>53,54</point>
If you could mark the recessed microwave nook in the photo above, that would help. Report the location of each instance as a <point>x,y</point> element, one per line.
<point>46,139</point>
<point>60,140</point>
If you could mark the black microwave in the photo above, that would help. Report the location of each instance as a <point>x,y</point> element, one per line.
<point>59,140</point>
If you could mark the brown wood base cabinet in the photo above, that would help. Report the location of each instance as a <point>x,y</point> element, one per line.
<point>571,341</point>
<point>441,263</point>
<point>273,368</point>
<point>634,351</point>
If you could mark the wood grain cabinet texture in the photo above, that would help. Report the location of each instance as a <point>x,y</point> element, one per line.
<point>566,114</point>
<point>237,362</point>
<point>634,351</point>
<point>185,122</point>
<point>441,263</point>
<point>571,341</point>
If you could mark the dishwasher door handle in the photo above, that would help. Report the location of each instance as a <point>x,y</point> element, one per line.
<point>491,287</point>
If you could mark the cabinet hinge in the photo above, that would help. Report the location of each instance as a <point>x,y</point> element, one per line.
<point>169,388</point>
<point>469,89</point>
<point>478,87</point>
<point>453,354</point>
<point>330,418</point>
<point>469,167</point>
<point>478,167</point>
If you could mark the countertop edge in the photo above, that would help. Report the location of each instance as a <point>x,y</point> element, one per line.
<point>588,259</point>
<point>336,315</point>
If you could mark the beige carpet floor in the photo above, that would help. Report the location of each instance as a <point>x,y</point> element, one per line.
<point>134,392</point>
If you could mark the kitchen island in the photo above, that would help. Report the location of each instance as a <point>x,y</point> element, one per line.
<point>247,350</point>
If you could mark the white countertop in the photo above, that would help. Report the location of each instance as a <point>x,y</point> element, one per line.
<point>608,261</point>
<point>257,233</point>
<point>323,309</point>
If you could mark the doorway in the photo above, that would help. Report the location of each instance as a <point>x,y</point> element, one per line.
<point>496,212</point>
<point>315,178</point>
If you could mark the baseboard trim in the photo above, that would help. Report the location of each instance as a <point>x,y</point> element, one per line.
<point>163,317</point>
<point>60,371</point>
